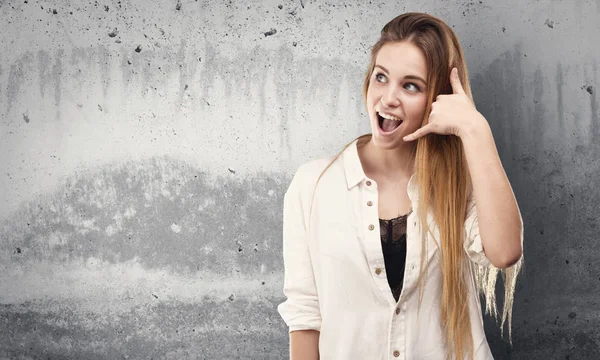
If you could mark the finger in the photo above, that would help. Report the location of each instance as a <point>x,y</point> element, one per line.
<point>438,98</point>
<point>419,133</point>
<point>455,82</point>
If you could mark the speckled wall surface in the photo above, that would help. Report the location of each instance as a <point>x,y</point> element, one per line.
<point>146,147</point>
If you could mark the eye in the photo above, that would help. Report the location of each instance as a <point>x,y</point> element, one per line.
<point>380,77</point>
<point>415,88</point>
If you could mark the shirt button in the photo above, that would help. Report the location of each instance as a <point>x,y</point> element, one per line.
<point>378,271</point>
<point>371,227</point>
<point>369,203</point>
<point>368,183</point>
<point>396,353</point>
<point>397,311</point>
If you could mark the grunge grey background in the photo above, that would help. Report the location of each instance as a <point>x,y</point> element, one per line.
<point>146,147</point>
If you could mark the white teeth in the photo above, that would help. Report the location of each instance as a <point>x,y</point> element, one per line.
<point>389,117</point>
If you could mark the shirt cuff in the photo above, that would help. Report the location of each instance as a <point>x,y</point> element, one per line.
<point>300,316</point>
<point>473,245</point>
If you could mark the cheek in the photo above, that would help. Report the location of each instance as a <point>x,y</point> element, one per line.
<point>371,101</point>
<point>416,112</point>
<point>373,93</point>
<point>417,106</point>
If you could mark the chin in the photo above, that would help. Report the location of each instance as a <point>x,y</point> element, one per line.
<point>387,141</point>
<point>388,144</point>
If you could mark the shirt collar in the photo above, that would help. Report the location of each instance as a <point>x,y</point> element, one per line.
<point>352,166</point>
<point>355,173</point>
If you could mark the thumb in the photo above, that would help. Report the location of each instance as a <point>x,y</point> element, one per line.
<point>455,82</point>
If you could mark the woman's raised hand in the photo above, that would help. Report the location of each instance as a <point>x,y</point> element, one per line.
<point>450,114</point>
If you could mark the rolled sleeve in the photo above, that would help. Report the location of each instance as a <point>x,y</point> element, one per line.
<point>300,310</point>
<point>473,245</point>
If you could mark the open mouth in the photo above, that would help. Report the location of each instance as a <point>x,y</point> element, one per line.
<point>388,124</point>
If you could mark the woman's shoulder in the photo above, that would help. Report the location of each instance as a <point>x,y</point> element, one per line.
<point>315,166</point>
<point>309,171</point>
<point>304,183</point>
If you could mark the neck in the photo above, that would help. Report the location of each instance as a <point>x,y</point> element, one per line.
<point>397,163</point>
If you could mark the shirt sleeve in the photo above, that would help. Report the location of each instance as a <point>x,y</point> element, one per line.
<point>473,245</point>
<point>300,310</point>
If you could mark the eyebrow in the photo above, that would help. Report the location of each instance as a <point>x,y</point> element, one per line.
<point>415,77</point>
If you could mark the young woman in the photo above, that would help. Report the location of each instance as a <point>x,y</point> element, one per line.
<point>387,244</point>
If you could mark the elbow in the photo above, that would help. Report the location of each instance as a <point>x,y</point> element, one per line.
<point>509,253</point>
<point>508,248</point>
<point>509,256</point>
<point>507,261</point>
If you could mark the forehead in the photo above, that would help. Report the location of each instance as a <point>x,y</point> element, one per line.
<point>402,58</point>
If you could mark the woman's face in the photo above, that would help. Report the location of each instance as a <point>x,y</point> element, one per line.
<point>398,91</point>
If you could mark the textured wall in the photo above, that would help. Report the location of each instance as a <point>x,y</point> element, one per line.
<point>146,147</point>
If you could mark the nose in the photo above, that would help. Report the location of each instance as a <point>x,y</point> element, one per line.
<point>390,98</point>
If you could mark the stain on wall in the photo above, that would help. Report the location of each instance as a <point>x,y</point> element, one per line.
<point>146,147</point>
<point>144,259</point>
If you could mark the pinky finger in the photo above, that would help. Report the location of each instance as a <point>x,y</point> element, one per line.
<point>414,136</point>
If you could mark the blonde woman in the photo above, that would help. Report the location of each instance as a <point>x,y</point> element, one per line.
<point>388,244</point>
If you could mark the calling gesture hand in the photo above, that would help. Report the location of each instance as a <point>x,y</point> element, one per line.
<point>450,114</point>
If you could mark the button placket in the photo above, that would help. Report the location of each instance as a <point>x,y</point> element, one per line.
<point>398,334</point>
<point>373,248</point>
<point>371,227</point>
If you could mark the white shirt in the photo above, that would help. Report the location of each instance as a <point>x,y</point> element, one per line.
<point>335,280</point>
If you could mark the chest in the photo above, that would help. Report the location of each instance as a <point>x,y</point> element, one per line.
<point>349,246</point>
<point>393,200</point>
<point>344,220</point>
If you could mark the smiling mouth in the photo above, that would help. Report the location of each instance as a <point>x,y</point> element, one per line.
<point>388,125</point>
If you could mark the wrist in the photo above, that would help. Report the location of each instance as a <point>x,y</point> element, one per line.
<point>475,128</point>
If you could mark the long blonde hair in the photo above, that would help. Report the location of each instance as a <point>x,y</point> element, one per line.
<point>444,184</point>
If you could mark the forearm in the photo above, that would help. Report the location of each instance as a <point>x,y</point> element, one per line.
<point>499,218</point>
<point>304,345</point>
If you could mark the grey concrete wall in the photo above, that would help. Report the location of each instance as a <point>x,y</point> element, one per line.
<point>146,147</point>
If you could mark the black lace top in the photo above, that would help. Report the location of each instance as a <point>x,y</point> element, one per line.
<point>393,244</point>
